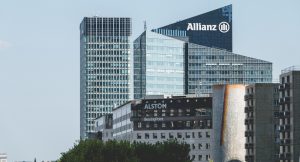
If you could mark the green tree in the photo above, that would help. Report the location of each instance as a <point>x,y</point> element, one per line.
<point>123,151</point>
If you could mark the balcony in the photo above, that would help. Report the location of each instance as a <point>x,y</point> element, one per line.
<point>285,128</point>
<point>287,99</point>
<point>287,85</point>
<point>248,96</point>
<point>249,109</point>
<point>248,121</point>
<point>249,133</point>
<point>288,156</point>
<point>285,156</point>
<point>281,88</point>
<point>249,146</point>
<point>287,141</point>
<point>281,101</point>
<point>249,158</point>
<point>286,114</point>
<point>281,156</point>
<point>284,100</point>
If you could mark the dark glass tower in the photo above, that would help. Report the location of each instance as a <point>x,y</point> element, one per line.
<point>104,67</point>
<point>208,56</point>
<point>211,29</point>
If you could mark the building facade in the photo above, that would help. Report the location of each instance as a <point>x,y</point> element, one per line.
<point>207,66</point>
<point>289,113</point>
<point>262,121</point>
<point>3,157</point>
<point>104,67</point>
<point>103,127</point>
<point>208,56</point>
<point>228,140</point>
<point>158,65</point>
<point>205,29</point>
<point>186,119</point>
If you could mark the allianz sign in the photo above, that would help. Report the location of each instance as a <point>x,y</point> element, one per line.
<point>223,27</point>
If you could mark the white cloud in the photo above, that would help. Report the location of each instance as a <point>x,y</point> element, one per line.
<point>4,44</point>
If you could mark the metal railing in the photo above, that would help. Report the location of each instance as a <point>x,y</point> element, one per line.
<point>292,68</point>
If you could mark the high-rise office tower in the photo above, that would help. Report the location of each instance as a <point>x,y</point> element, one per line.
<point>104,67</point>
<point>262,120</point>
<point>158,65</point>
<point>289,113</point>
<point>208,56</point>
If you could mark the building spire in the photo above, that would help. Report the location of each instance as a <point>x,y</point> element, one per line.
<point>145,25</point>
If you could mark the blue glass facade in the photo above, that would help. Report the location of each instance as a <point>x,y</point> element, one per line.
<point>205,29</point>
<point>104,68</point>
<point>158,65</point>
<point>208,59</point>
<point>208,66</point>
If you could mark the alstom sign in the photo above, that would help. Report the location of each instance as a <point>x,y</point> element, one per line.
<point>223,27</point>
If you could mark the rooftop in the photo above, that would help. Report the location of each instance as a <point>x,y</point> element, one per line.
<point>289,69</point>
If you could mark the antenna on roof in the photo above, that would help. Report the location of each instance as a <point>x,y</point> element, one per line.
<point>145,25</point>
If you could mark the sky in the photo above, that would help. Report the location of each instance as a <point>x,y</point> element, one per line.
<point>39,58</point>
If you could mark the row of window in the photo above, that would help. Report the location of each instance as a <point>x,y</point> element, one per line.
<point>106,54</point>
<point>172,112</point>
<point>108,83</point>
<point>107,46</point>
<point>109,97</point>
<point>108,90</point>
<point>172,135</point>
<point>173,125</point>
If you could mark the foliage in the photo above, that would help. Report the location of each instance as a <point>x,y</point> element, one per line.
<point>123,151</point>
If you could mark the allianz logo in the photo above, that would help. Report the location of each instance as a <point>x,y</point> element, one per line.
<point>223,27</point>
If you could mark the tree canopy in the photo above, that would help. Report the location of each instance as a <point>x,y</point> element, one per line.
<point>122,151</point>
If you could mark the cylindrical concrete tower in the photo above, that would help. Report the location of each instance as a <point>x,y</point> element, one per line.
<point>228,143</point>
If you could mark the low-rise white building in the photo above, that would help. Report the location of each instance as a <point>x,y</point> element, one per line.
<point>3,157</point>
<point>154,120</point>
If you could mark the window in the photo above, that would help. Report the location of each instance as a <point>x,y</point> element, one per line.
<point>207,157</point>
<point>179,135</point>
<point>139,124</point>
<point>193,146</point>
<point>188,124</point>
<point>148,125</point>
<point>138,136</point>
<point>163,125</point>
<point>199,134</point>
<point>163,112</point>
<point>199,157</point>
<point>146,135</point>
<point>207,135</point>
<point>180,112</point>
<point>163,135</point>
<point>171,135</point>
<point>207,146</point>
<point>155,113</point>
<point>208,123</point>
<point>193,157</point>
<point>187,135</point>
<point>199,146</point>
<point>172,112</point>
<point>154,135</point>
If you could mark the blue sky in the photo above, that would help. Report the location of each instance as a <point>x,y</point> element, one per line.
<point>39,58</point>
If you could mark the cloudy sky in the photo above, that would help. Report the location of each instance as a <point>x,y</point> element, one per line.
<point>39,58</point>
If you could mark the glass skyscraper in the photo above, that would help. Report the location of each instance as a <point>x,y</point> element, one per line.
<point>208,66</point>
<point>158,65</point>
<point>206,42</point>
<point>104,68</point>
